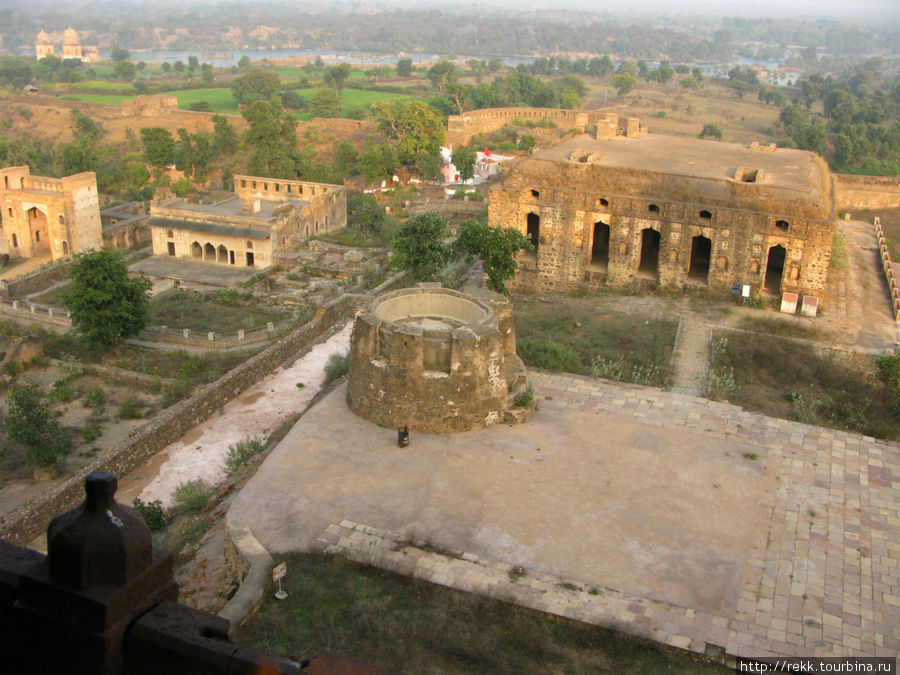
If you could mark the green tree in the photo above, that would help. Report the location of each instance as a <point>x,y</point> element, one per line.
<point>420,247</point>
<point>159,146</point>
<point>377,160</point>
<point>125,70</point>
<point>106,305</point>
<point>272,138</point>
<point>711,130</point>
<point>624,83</point>
<point>337,76</point>
<point>244,61</point>
<point>412,124</point>
<point>429,164</point>
<point>257,85</point>
<point>206,73</point>
<point>497,247</point>
<point>325,103</point>
<point>225,140</point>
<point>441,75</point>
<point>404,67</point>
<point>463,159</point>
<point>28,423</point>
<point>193,62</point>
<point>118,54</point>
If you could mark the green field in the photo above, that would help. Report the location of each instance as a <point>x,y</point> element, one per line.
<point>221,100</point>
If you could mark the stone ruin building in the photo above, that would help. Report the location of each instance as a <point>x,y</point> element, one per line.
<point>71,47</point>
<point>40,215</point>
<point>436,360</point>
<point>250,228</point>
<point>621,206</point>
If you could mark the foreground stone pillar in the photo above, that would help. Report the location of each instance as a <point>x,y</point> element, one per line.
<point>100,574</point>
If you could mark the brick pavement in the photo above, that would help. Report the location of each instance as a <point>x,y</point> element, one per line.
<point>825,581</point>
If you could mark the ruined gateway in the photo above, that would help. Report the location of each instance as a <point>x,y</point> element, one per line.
<point>608,208</point>
<point>436,360</point>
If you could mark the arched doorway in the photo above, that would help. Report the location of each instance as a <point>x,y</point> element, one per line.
<point>222,254</point>
<point>37,223</point>
<point>65,247</point>
<point>775,268</point>
<point>701,251</point>
<point>649,265</point>
<point>600,245</point>
<point>196,250</point>
<point>533,230</point>
<point>209,252</point>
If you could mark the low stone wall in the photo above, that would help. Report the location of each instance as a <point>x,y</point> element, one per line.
<point>28,521</point>
<point>888,268</point>
<point>28,311</point>
<point>866,192</point>
<point>37,281</point>
<point>344,125</point>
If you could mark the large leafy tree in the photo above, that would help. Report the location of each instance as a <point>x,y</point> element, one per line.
<point>337,76</point>
<point>257,85</point>
<point>414,126</point>
<point>463,159</point>
<point>272,138</point>
<point>107,305</point>
<point>497,247</point>
<point>159,146</point>
<point>420,247</point>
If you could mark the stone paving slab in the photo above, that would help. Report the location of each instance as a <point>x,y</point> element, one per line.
<point>813,566</point>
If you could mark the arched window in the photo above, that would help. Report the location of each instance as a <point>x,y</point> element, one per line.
<point>533,230</point>
<point>535,193</point>
<point>170,234</point>
<point>782,225</point>
<point>603,202</point>
<point>653,208</point>
<point>62,219</point>
<point>250,245</point>
<point>706,214</point>
<point>15,241</point>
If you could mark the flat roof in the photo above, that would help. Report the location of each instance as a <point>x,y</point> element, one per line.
<point>209,228</point>
<point>233,207</point>
<point>690,157</point>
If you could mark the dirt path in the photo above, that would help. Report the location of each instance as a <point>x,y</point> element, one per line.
<point>691,356</point>
<point>256,412</point>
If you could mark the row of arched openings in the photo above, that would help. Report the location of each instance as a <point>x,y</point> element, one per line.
<point>219,254</point>
<point>648,265</point>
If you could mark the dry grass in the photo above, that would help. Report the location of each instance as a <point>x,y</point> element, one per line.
<point>408,625</point>
<point>787,379</point>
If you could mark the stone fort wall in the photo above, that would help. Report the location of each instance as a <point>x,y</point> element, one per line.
<point>866,192</point>
<point>23,524</point>
<point>461,128</point>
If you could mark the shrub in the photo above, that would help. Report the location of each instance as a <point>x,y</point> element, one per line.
<point>548,355</point>
<point>240,453</point>
<point>152,512</point>
<point>337,366</point>
<point>524,399</point>
<point>719,380</point>
<point>28,423</point>
<point>131,408</point>
<point>62,392</point>
<point>173,394</point>
<point>92,430</point>
<point>617,369</point>
<point>191,496</point>
<point>889,370</point>
<point>96,399</point>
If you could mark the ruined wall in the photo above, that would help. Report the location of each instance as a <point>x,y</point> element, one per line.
<point>344,125</point>
<point>568,200</point>
<point>28,521</point>
<point>149,106</point>
<point>866,192</point>
<point>461,128</point>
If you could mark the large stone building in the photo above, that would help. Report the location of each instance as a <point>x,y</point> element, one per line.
<point>628,207</point>
<point>43,215</point>
<point>264,216</point>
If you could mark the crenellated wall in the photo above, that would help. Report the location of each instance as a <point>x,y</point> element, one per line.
<point>866,192</point>
<point>461,128</point>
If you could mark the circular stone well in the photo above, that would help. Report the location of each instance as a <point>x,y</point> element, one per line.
<point>435,360</point>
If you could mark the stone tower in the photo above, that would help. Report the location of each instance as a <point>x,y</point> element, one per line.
<point>43,46</point>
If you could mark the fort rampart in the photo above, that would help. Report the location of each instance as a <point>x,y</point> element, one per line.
<point>866,192</point>
<point>461,128</point>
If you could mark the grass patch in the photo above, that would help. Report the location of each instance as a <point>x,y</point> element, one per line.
<point>570,334</point>
<point>105,99</point>
<point>217,311</point>
<point>408,625</point>
<point>784,327</point>
<point>220,99</point>
<point>192,495</point>
<point>54,296</point>
<point>795,381</point>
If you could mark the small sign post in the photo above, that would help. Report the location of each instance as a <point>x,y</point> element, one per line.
<point>277,573</point>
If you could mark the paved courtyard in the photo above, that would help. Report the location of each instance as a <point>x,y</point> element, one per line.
<point>685,520</point>
<point>184,269</point>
